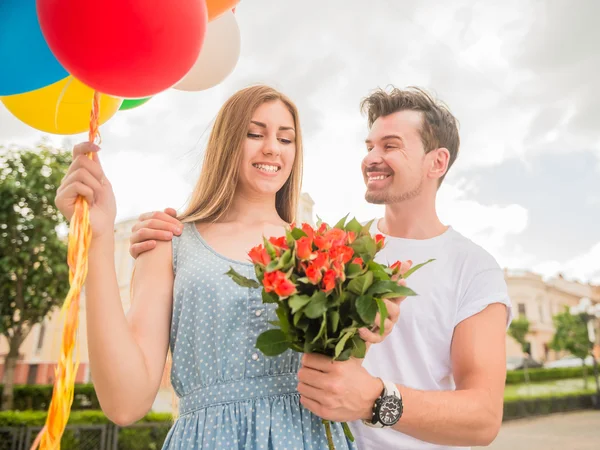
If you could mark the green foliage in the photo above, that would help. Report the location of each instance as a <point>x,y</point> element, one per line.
<point>37,397</point>
<point>571,335</point>
<point>33,268</point>
<point>136,437</point>
<point>541,374</point>
<point>518,330</point>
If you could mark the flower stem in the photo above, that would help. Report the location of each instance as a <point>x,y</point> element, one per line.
<point>328,433</point>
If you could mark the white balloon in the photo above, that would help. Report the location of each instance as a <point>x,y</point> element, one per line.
<point>218,57</point>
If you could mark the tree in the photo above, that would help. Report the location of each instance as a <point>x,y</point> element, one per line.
<point>571,335</point>
<point>518,330</point>
<point>34,275</point>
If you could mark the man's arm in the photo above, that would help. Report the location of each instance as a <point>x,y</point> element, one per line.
<point>472,414</point>
<point>469,416</point>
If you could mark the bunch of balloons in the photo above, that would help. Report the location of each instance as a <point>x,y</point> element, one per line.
<point>55,54</point>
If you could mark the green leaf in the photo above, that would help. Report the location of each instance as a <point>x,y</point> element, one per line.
<point>334,319</point>
<point>301,321</point>
<point>319,221</point>
<point>289,239</point>
<point>345,355</point>
<point>353,270</point>
<point>365,246</point>
<point>272,342</point>
<point>283,318</point>
<point>359,348</point>
<point>342,343</point>
<point>406,292</point>
<point>354,226</point>
<point>286,258</point>
<point>317,305</point>
<point>359,285</point>
<point>366,228</point>
<point>322,329</point>
<point>297,233</point>
<point>366,306</point>
<point>383,314</point>
<point>242,280</point>
<point>269,297</point>
<point>269,248</point>
<point>378,271</point>
<point>386,287</point>
<point>415,268</point>
<point>274,265</point>
<point>341,222</point>
<point>297,302</point>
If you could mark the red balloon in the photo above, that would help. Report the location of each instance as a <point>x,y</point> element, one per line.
<point>125,48</point>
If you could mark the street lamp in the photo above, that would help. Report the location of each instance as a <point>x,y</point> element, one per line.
<point>589,314</point>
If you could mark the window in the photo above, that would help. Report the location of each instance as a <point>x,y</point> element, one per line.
<point>522,311</point>
<point>40,342</point>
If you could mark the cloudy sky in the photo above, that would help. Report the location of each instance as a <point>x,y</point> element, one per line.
<point>520,75</point>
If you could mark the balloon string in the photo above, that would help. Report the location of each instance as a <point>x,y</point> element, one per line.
<point>80,235</point>
<point>60,98</point>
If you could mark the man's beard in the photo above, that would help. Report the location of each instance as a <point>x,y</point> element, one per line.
<point>387,197</point>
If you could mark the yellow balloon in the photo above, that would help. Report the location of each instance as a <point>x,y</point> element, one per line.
<point>60,108</point>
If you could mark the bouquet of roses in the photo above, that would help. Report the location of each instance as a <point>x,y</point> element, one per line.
<point>326,286</point>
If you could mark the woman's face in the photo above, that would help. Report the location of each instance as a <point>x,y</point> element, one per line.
<point>269,151</point>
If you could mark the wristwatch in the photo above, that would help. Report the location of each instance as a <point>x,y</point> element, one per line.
<point>388,407</point>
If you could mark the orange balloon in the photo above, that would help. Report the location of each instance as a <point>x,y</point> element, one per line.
<point>218,7</point>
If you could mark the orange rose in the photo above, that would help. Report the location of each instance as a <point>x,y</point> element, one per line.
<point>380,241</point>
<point>304,248</point>
<point>259,256</point>
<point>277,281</point>
<point>350,237</point>
<point>308,230</point>
<point>329,280</point>
<point>313,274</point>
<point>358,261</point>
<point>322,243</point>
<point>321,261</point>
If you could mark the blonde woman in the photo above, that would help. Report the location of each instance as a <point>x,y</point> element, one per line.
<point>230,395</point>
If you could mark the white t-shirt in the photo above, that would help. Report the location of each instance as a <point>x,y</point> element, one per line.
<point>462,281</point>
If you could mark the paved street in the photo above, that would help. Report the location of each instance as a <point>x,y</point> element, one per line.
<point>571,431</point>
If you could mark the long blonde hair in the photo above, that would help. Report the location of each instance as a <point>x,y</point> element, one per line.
<point>214,191</point>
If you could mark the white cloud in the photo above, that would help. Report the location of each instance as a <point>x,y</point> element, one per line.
<point>585,267</point>
<point>488,225</point>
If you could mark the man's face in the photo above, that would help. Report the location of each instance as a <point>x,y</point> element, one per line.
<point>394,168</point>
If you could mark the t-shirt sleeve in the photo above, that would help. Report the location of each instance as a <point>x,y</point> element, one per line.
<point>486,287</point>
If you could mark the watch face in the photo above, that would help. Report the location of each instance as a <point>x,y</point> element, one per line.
<point>390,410</point>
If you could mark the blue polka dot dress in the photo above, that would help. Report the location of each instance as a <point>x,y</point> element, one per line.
<point>231,395</point>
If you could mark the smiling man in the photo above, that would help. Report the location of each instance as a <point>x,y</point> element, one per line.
<point>437,381</point>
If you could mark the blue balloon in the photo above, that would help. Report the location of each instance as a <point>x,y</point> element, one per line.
<point>27,62</point>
